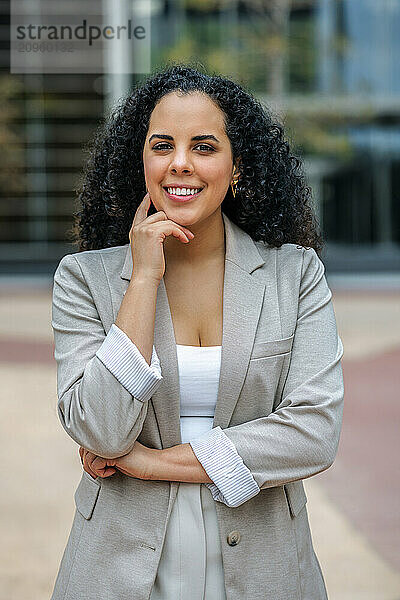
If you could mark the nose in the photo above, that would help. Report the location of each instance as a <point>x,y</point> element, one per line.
<point>180,163</point>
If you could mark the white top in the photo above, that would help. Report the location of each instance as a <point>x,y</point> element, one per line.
<point>199,368</point>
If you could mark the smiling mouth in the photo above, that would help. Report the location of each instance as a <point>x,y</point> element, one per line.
<point>177,193</point>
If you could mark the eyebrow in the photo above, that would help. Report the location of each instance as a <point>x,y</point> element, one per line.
<point>196,138</point>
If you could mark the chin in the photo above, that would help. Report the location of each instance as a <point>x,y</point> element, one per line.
<point>183,211</point>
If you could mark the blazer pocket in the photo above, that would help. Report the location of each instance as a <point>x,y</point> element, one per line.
<point>295,497</point>
<point>86,495</point>
<point>272,347</point>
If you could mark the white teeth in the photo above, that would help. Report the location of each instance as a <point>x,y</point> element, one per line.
<point>183,191</point>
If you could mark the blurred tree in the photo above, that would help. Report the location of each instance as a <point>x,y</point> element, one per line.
<point>318,136</point>
<point>273,17</point>
<point>269,47</point>
<point>11,148</point>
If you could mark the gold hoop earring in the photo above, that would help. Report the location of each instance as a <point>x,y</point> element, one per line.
<point>234,186</point>
<point>234,182</point>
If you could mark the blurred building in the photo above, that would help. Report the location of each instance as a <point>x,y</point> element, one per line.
<point>328,69</point>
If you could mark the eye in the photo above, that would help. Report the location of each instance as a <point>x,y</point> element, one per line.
<point>206,148</point>
<point>161,146</point>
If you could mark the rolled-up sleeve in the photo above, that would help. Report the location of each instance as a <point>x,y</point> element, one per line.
<point>123,358</point>
<point>233,483</point>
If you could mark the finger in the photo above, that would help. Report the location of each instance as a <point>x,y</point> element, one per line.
<point>109,471</point>
<point>90,455</point>
<point>101,467</point>
<point>98,463</point>
<point>142,210</point>
<point>167,227</point>
<point>87,462</point>
<point>90,471</point>
<point>159,216</point>
<point>171,228</point>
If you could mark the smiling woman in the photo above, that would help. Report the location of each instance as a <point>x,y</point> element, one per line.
<point>198,360</point>
<point>273,203</point>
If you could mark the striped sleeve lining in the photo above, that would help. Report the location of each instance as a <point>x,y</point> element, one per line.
<point>233,484</point>
<point>124,360</point>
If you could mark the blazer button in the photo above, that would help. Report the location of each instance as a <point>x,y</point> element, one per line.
<point>233,538</point>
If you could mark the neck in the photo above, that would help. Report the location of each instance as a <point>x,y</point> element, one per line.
<point>208,243</point>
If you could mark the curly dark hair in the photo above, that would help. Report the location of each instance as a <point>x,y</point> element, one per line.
<point>272,203</point>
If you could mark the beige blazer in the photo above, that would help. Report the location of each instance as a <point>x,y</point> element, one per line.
<point>280,401</point>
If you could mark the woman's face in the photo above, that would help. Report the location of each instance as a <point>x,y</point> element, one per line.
<point>186,148</point>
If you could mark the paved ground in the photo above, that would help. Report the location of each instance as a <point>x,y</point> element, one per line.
<point>353,507</point>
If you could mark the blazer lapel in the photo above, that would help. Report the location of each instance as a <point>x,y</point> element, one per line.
<point>243,298</point>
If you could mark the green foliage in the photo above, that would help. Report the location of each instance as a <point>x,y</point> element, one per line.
<point>313,136</point>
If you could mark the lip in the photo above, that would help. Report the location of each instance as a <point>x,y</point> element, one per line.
<point>181,199</point>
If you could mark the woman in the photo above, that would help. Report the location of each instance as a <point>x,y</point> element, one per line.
<point>210,337</point>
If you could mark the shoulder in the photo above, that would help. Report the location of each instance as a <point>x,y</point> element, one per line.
<point>89,261</point>
<point>92,257</point>
<point>296,267</point>
<point>286,256</point>
<point>290,254</point>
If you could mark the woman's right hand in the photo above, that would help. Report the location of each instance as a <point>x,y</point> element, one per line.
<point>146,237</point>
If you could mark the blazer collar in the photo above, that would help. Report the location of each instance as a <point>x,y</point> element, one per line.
<point>243,298</point>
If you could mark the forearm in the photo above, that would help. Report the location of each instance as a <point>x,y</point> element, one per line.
<point>137,314</point>
<point>179,463</point>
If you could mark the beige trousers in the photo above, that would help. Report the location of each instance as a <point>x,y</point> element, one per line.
<point>191,567</point>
